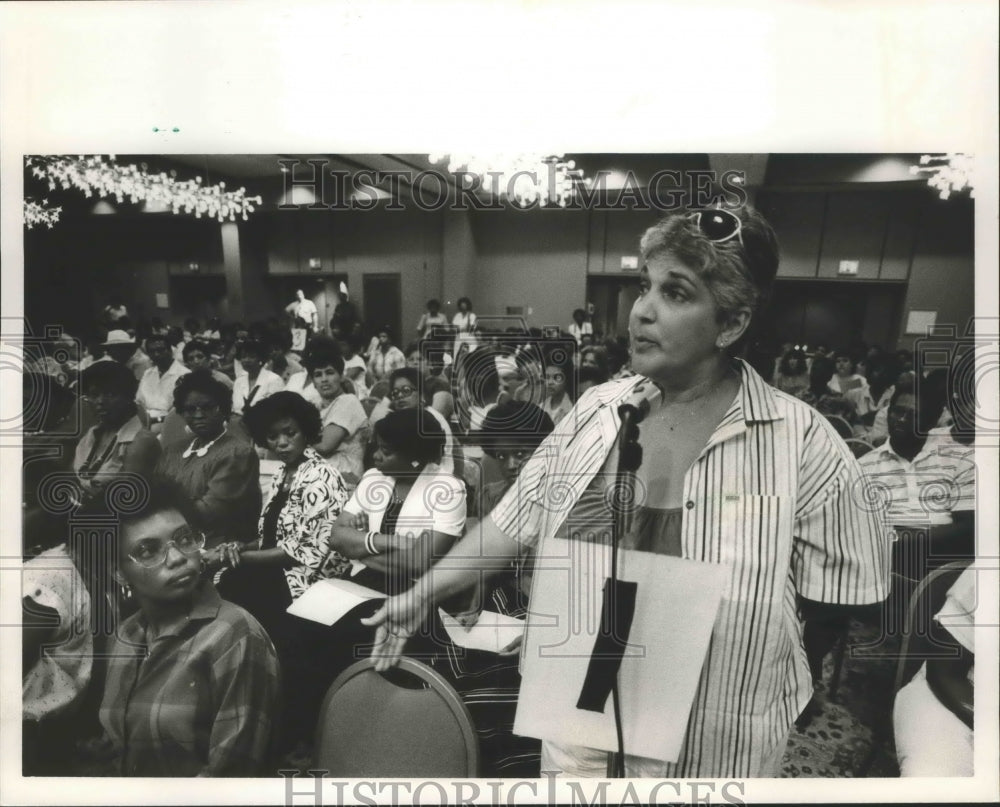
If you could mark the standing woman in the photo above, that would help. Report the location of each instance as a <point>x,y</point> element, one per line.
<point>721,447</point>
<point>342,440</point>
<point>218,470</point>
<point>464,322</point>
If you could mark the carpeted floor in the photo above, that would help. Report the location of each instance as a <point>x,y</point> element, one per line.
<point>836,741</point>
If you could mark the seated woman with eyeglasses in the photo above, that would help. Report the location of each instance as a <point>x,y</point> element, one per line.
<point>118,444</point>
<point>406,391</point>
<point>192,686</point>
<point>219,471</point>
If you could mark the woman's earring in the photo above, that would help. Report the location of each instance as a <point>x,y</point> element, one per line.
<point>126,591</point>
<point>415,463</point>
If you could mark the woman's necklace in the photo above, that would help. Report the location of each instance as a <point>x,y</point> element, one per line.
<point>676,413</point>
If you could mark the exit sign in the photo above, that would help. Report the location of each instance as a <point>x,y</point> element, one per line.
<point>848,268</point>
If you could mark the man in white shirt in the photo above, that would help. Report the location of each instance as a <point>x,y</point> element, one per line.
<point>156,387</point>
<point>304,309</point>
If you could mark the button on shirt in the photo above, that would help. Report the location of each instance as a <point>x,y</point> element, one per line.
<point>156,390</point>
<point>199,699</point>
<point>923,492</point>
<point>771,496</point>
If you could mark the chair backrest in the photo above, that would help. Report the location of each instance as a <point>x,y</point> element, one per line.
<point>841,425</point>
<point>920,629</point>
<point>408,722</point>
<point>859,447</point>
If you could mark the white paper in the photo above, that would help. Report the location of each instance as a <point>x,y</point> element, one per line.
<point>327,601</point>
<point>676,605</point>
<point>493,632</point>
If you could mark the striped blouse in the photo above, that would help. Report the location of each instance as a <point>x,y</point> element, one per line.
<point>776,496</point>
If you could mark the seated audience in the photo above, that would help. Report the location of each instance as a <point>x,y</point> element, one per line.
<point>355,369</point>
<point>198,356</point>
<point>384,356</point>
<point>342,441</point>
<point>156,388</point>
<point>193,682</point>
<point>122,348</point>
<point>291,550</point>
<point>118,444</point>
<point>845,376</point>
<point>56,648</point>
<point>406,510</point>
<point>218,470</point>
<point>256,382</point>
<point>793,373</point>
<point>558,400</point>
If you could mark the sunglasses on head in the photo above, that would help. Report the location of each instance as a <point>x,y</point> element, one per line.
<point>718,225</point>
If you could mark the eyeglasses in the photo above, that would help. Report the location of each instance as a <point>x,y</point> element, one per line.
<point>718,225</point>
<point>152,552</point>
<point>518,454</point>
<point>194,409</point>
<point>401,392</point>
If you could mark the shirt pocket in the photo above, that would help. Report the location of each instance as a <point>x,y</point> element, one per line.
<point>755,542</point>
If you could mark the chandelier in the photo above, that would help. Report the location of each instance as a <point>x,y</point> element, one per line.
<point>527,179</point>
<point>947,173</point>
<point>104,177</point>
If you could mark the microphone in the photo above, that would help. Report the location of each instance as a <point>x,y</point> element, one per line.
<point>636,406</point>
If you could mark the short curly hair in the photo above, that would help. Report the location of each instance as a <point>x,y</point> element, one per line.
<point>739,272</point>
<point>414,433</point>
<point>323,352</point>
<point>260,417</point>
<point>202,381</point>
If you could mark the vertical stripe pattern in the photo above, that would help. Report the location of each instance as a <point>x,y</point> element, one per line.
<point>773,496</point>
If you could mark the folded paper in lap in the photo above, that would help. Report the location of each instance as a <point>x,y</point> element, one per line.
<point>675,609</point>
<point>492,632</point>
<point>327,601</point>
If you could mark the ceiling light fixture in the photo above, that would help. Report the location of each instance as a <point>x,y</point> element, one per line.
<point>526,179</point>
<point>947,173</point>
<point>104,177</point>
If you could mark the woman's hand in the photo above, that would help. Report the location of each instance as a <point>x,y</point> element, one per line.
<point>214,559</point>
<point>231,553</point>
<point>514,648</point>
<point>396,621</point>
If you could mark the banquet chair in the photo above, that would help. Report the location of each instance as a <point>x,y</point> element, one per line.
<point>407,722</point>
<point>858,446</point>
<point>841,425</point>
<point>918,644</point>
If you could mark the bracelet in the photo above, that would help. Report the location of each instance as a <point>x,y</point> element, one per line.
<point>370,547</point>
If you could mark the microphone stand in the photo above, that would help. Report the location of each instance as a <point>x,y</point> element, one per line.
<point>629,461</point>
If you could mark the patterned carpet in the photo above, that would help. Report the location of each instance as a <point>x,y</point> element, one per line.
<point>836,741</point>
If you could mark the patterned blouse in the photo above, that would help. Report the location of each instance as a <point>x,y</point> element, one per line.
<point>316,496</point>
